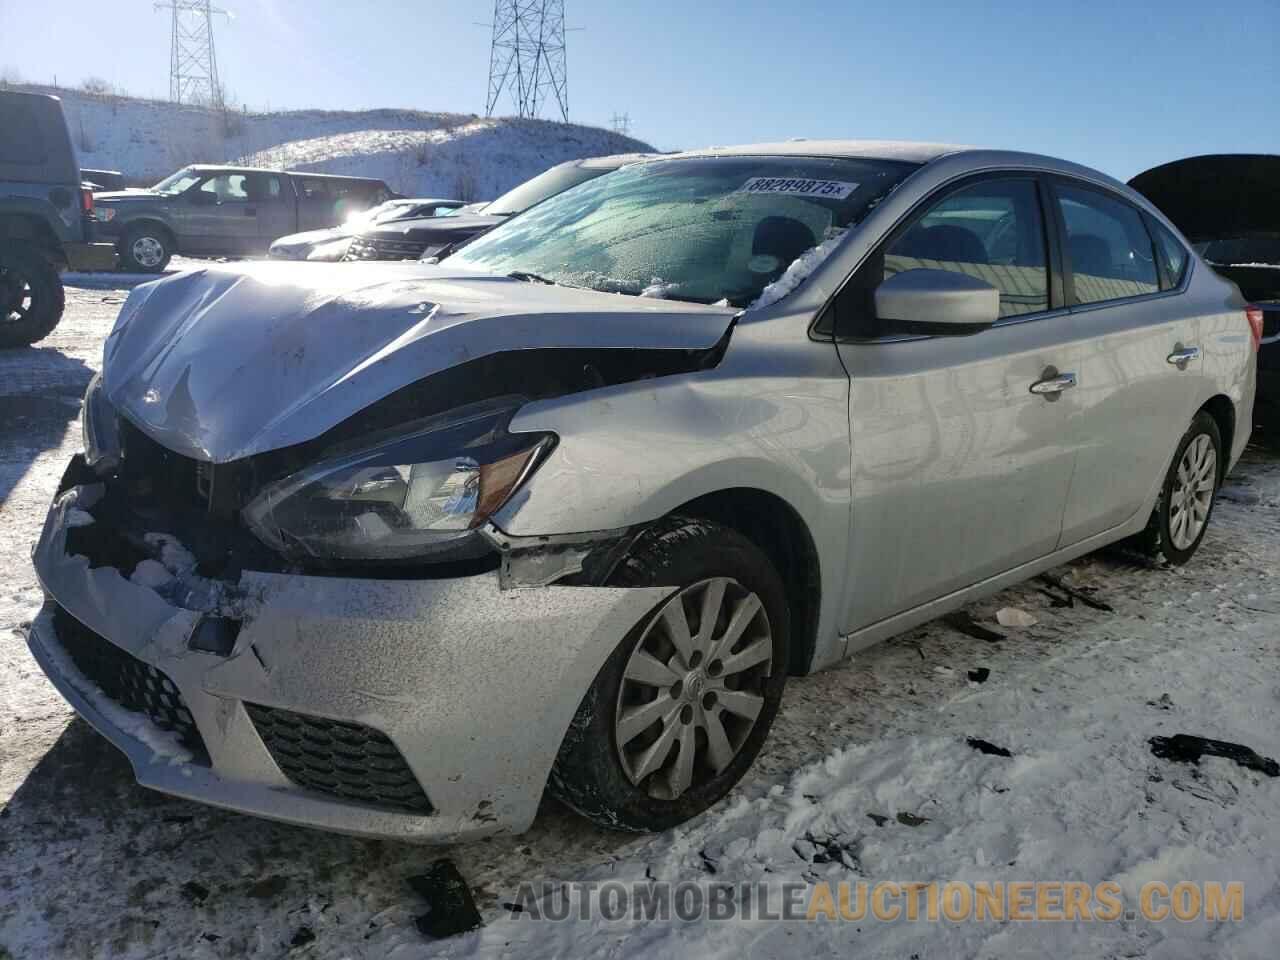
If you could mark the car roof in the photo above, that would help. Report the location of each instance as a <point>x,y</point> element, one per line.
<point>614,161</point>
<point>959,158</point>
<point>908,150</point>
<point>310,175</point>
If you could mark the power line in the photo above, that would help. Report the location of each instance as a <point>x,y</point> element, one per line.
<point>193,62</point>
<point>527,56</point>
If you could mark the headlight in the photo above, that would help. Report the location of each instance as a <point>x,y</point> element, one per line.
<point>99,428</point>
<point>420,491</point>
<point>331,251</point>
<point>103,214</point>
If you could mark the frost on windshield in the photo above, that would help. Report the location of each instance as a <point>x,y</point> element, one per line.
<point>658,289</point>
<point>799,270</point>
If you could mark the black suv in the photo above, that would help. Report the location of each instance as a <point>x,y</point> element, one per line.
<point>46,217</point>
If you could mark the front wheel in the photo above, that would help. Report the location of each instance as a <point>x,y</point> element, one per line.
<point>1182,513</point>
<point>683,705</point>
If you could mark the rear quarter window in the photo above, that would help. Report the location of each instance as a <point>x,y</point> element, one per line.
<point>1173,255</point>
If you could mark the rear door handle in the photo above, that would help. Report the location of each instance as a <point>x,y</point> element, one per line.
<point>1181,356</point>
<point>250,211</point>
<point>1052,385</point>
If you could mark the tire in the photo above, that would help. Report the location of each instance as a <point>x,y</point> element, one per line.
<point>1165,534</point>
<point>146,249</point>
<point>31,296</point>
<point>592,774</point>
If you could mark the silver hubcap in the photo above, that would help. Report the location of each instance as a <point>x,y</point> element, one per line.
<point>690,694</point>
<point>148,251</point>
<point>1192,493</point>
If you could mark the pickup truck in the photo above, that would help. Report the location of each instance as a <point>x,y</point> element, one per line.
<point>46,217</point>
<point>222,211</point>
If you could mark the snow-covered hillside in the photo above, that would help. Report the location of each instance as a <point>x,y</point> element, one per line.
<point>417,153</point>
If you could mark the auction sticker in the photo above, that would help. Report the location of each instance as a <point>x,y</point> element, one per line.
<point>799,187</point>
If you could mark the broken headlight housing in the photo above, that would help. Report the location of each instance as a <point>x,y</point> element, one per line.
<point>419,492</point>
<point>99,429</point>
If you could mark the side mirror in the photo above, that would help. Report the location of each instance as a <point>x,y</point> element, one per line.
<point>937,302</point>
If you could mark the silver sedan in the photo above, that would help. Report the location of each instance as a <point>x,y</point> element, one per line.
<point>393,549</point>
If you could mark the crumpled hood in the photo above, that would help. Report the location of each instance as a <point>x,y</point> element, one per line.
<point>224,363</point>
<point>444,229</point>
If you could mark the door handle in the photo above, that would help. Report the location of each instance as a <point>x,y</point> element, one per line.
<point>1181,356</point>
<point>250,211</point>
<point>1052,384</point>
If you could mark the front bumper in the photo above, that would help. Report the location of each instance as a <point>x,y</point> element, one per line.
<point>90,257</point>
<point>473,684</point>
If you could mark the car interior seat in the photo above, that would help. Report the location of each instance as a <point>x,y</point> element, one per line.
<point>1091,255</point>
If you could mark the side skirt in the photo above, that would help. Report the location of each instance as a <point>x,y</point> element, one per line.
<point>874,633</point>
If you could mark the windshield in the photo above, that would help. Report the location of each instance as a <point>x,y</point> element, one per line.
<point>547,184</point>
<point>705,229</point>
<point>177,182</point>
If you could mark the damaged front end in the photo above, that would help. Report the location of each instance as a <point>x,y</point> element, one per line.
<point>321,630</point>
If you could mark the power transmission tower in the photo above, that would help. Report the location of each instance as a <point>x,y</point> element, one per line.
<point>527,56</point>
<point>622,124</point>
<point>193,64</point>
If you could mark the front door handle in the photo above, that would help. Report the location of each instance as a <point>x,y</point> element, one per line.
<point>250,211</point>
<point>1181,356</point>
<point>1052,384</point>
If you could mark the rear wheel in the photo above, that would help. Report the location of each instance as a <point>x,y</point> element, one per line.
<point>31,296</point>
<point>146,249</point>
<point>683,705</point>
<point>1182,513</point>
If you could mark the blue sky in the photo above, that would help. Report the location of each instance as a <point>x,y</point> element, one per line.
<point>1117,85</point>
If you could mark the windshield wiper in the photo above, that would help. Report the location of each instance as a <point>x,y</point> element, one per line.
<point>530,277</point>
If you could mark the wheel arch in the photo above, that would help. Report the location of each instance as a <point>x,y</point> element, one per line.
<point>29,228</point>
<point>1223,412</point>
<point>781,533</point>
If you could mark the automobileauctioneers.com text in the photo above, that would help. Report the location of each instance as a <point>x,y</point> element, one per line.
<point>885,901</point>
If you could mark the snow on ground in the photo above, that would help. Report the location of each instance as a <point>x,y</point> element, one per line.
<point>418,153</point>
<point>92,866</point>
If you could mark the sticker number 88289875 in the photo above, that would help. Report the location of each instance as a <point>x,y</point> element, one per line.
<point>799,187</point>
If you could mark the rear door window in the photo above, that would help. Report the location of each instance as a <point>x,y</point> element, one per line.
<point>314,189</point>
<point>1108,248</point>
<point>992,231</point>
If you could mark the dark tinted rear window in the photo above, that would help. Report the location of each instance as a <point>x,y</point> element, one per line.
<point>21,142</point>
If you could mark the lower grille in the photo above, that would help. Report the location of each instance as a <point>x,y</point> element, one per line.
<point>134,685</point>
<point>344,760</point>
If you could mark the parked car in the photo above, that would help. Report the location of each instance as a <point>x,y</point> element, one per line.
<point>219,211</point>
<point>429,237</point>
<point>391,549</point>
<point>46,217</point>
<point>1229,207</point>
<point>102,180</point>
<point>324,244</point>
